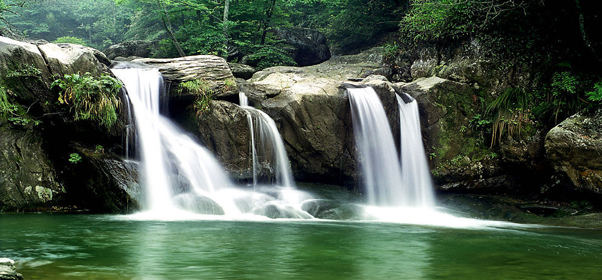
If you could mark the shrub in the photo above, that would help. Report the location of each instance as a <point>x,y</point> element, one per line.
<point>70,40</point>
<point>90,98</point>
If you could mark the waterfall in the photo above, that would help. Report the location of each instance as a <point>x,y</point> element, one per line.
<point>267,149</point>
<point>385,181</point>
<point>180,176</point>
<point>414,166</point>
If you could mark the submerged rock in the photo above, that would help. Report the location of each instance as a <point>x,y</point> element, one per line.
<point>8,271</point>
<point>332,210</point>
<point>198,204</point>
<point>275,211</point>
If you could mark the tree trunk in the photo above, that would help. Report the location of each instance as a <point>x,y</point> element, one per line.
<point>225,23</point>
<point>268,15</point>
<point>168,28</point>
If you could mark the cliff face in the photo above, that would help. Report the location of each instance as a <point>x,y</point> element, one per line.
<point>39,135</point>
<point>312,113</point>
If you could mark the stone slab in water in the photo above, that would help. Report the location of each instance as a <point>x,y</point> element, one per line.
<point>8,271</point>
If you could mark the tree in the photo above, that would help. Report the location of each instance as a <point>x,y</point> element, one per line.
<point>10,7</point>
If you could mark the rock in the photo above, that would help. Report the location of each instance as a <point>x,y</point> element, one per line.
<point>332,210</point>
<point>212,70</point>
<point>35,169</point>
<point>275,211</point>
<point>574,150</point>
<point>27,176</point>
<point>242,71</point>
<point>198,204</point>
<point>15,57</point>
<point>7,270</point>
<point>464,62</point>
<point>309,46</point>
<point>224,130</point>
<point>139,48</point>
<point>70,59</point>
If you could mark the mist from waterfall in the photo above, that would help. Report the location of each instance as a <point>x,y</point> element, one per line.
<point>389,180</point>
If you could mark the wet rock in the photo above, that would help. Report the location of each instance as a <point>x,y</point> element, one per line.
<point>275,211</point>
<point>332,210</point>
<point>198,204</point>
<point>224,130</point>
<point>574,149</point>
<point>103,183</point>
<point>8,271</point>
<point>27,176</point>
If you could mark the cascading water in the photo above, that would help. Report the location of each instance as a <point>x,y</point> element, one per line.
<point>178,174</point>
<point>267,148</point>
<point>386,182</point>
<point>377,151</point>
<point>415,171</point>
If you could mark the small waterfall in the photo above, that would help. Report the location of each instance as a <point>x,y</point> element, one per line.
<point>386,183</point>
<point>267,149</point>
<point>414,166</point>
<point>178,174</point>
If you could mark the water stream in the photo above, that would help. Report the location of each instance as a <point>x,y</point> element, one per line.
<point>182,177</point>
<point>267,148</point>
<point>389,180</point>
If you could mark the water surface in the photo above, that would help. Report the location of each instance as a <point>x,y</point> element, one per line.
<point>58,246</point>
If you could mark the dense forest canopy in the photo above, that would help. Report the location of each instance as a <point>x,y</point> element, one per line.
<point>559,41</point>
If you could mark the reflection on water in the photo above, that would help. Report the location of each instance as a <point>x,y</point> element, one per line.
<point>49,246</point>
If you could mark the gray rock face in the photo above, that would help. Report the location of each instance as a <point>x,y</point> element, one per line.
<point>309,46</point>
<point>7,270</point>
<point>574,149</point>
<point>465,63</point>
<point>137,48</point>
<point>34,162</point>
<point>224,130</point>
<point>27,176</point>
<point>213,70</point>
<point>69,59</point>
<point>313,115</point>
<point>242,71</point>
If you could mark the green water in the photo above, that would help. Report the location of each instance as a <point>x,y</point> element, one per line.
<point>53,246</point>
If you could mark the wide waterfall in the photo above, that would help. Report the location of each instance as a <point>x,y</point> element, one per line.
<point>267,148</point>
<point>388,179</point>
<point>178,174</point>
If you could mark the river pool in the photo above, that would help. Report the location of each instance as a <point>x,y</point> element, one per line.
<point>70,246</point>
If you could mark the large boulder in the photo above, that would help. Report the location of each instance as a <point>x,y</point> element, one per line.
<point>137,48</point>
<point>574,149</point>
<point>70,58</point>
<point>308,46</point>
<point>35,162</point>
<point>224,130</point>
<point>212,71</point>
<point>313,114</point>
